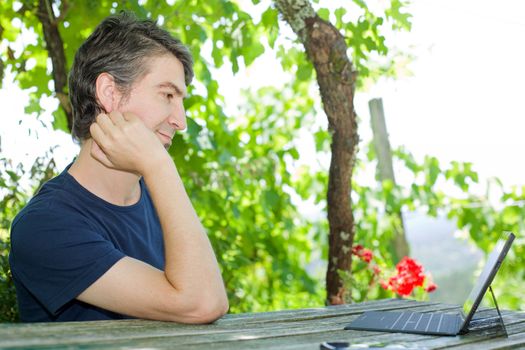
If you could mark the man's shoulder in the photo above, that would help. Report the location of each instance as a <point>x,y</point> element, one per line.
<point>53,201</point>
<point>53,217</point>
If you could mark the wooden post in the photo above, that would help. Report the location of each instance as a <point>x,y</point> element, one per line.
<point>386,169</point>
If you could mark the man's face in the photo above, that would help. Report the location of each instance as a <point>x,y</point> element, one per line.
<point>157,98</point>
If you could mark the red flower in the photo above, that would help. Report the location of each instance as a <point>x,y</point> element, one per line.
<point>431,287</point>
<point>366,255</point>
<point>384,285</point>
<point>376,270</point>
<point>357,249</point>
<point>401,286</point>
<point>409,275</point>
<point>411,271</point>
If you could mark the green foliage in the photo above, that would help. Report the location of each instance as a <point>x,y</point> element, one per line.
<point>483,218</point>
<point>13,197</point>
<point>365,32</point>
<point>243,197</point>
<point>11,201</point>
<point>484,221</point>
<point>8,306</point>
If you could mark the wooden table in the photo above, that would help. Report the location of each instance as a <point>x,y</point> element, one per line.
<point>289,329</point>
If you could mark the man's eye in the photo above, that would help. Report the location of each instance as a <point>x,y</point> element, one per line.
<point>168,95</point>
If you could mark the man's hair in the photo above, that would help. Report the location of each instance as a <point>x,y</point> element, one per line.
<point>119,46</point>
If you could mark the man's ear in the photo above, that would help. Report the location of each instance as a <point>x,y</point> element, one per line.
<point>107,92</point>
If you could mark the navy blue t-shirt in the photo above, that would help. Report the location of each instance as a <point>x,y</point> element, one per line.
<point>66,238</point>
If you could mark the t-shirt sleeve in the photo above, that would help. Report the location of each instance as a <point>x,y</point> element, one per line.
<point>57,256</point>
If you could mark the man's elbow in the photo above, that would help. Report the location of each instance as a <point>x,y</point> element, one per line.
<point>201,309</point>
<point>212,312</point>
<point>208,311</point>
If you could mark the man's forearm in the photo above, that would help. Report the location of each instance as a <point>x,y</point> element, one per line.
<point>191,266</point>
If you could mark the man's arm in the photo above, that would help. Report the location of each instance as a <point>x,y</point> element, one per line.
<point>191,288</point>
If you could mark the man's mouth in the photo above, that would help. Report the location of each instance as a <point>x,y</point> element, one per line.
<point>166,139</point>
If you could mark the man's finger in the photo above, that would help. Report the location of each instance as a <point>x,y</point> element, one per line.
<point>98,154</point>
<point>97,134</point>
<point>129,116</point>
<point>105,123</point>
<point>116,117</point>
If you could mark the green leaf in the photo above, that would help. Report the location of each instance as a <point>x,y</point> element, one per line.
<point>218,57</point>
<point>304,72</point>
<point>34,105</point>
<point>60,120</point>
<point>361,4</point>
<point>339,13</point>
<point>14,176</point>
<point>402,20</point>
<point>269,18</point>
<point>138,10</point>
<point>511,215</point>
<point>193,128</point>
<point>322,140</point>
<point>251,53</point>
<point>294,153</point>
<point>324,13</point>
<point>433,170</point>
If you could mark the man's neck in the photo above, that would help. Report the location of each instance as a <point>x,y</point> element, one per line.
<point>114,186</point>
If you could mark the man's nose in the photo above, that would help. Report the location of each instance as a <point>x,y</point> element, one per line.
<point>178,117</point>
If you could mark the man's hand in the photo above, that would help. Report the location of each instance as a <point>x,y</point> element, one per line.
<point>123,142</point>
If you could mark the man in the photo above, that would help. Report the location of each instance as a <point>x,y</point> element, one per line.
<point>115,234</point>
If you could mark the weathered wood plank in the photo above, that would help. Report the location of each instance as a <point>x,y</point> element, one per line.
<point>289,329</point>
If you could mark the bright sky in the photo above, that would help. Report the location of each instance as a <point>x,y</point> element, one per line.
<point>465,100</point>
<point>462,102</point>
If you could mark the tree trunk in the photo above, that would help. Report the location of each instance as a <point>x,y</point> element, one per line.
<point>55,50</point>
<point>326,48</point>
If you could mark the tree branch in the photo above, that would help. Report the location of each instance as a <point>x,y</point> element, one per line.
<point>64,7</point>
<point>55,50</point>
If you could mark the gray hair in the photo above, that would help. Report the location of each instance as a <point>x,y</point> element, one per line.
<point>119,46</point>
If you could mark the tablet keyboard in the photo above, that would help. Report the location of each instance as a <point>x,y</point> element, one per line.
<point>424,322</point>
<point>408,321</point>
